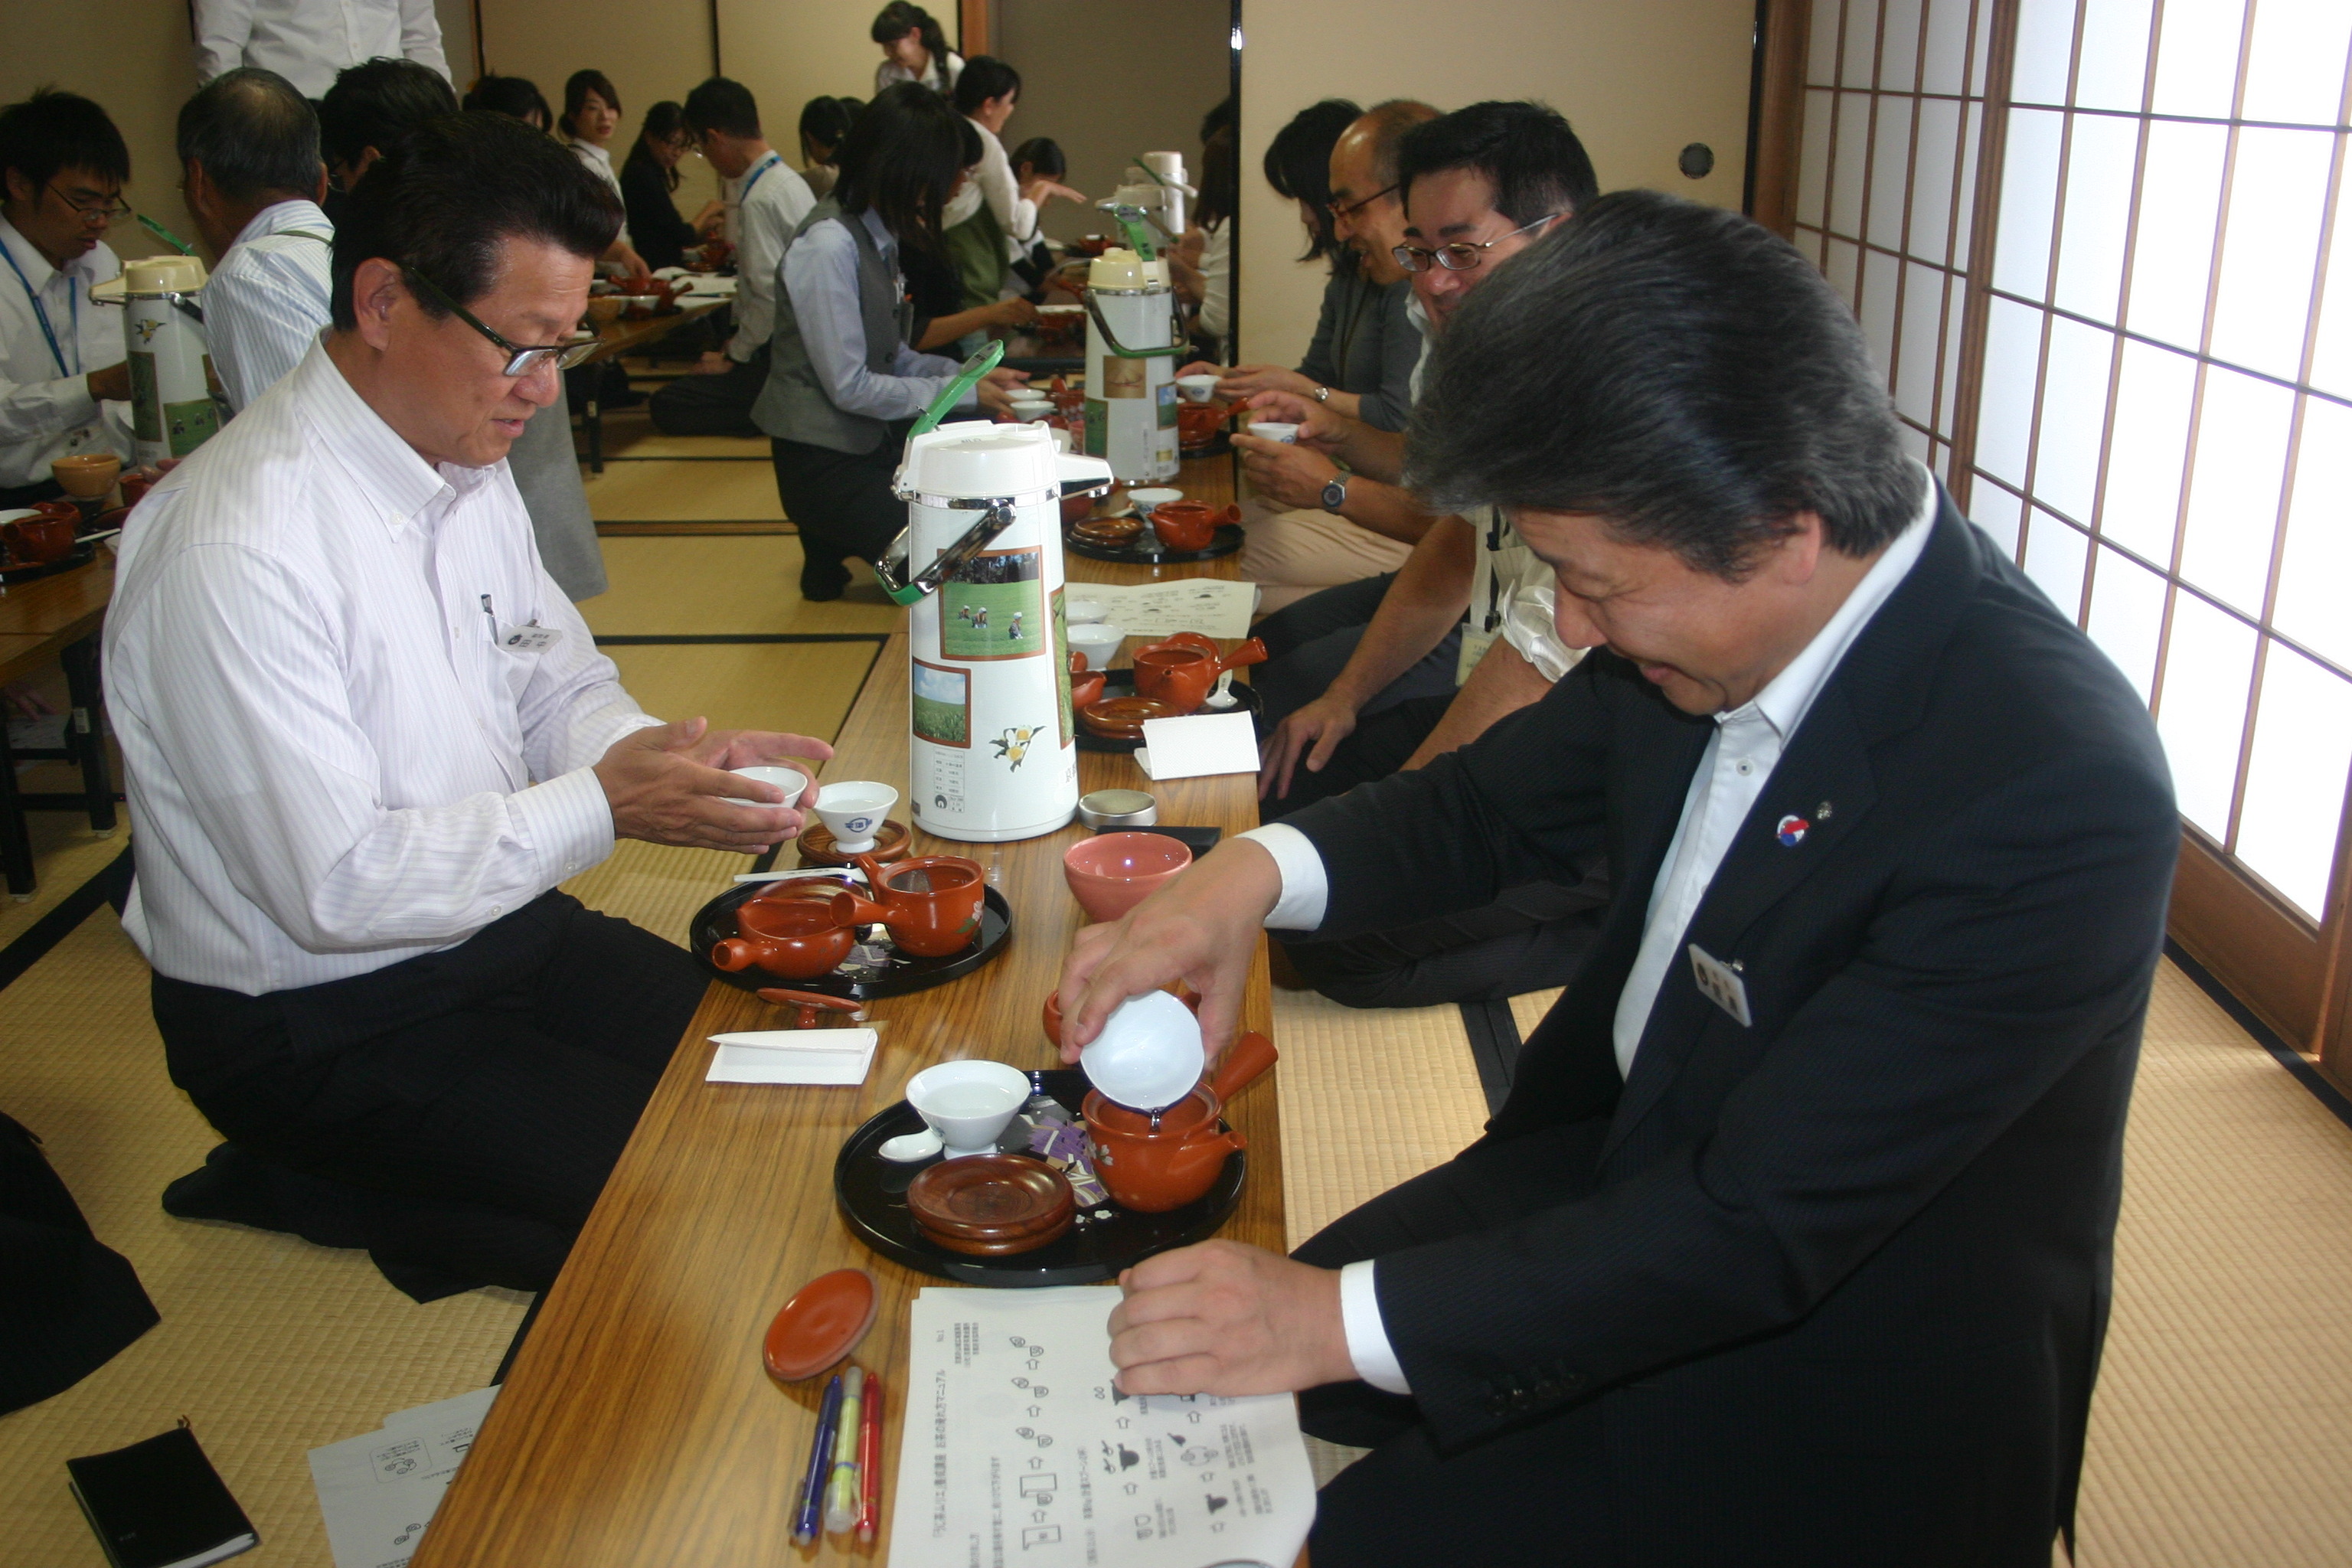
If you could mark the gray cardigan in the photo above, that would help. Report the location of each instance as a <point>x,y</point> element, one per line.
<point>1366,343</point>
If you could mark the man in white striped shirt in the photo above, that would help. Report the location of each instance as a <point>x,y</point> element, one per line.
<point>248,143</point>
<point>366,735</point>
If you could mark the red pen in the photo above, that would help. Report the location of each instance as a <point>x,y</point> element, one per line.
<point>869,1460</point>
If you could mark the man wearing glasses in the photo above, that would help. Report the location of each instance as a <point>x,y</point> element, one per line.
<point>61,357</point>
<point>1479,186</point>
<point>366,735</point>
<point>1319,541</point>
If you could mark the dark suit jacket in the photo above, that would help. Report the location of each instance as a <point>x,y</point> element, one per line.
<point>1850,1262</point>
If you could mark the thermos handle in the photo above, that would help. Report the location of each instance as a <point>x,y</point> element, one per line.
<point>903,589</point>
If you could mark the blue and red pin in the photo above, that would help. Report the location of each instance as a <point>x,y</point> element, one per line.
<point>1792,830</point>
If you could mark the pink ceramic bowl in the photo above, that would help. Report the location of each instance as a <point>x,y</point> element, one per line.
<point>1111,873</point>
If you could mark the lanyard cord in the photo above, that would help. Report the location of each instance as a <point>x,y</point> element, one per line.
<point>770,162</point>
<point>41,314</point>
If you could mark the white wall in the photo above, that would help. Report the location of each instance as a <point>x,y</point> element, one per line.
<point>1638,78</point>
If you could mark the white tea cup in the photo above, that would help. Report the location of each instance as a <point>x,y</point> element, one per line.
<point>792,780</point>
<point>1084,612</point>
<point>1275,430</point>
<point>1197,388</point>
<point>969,1103</point>
<point>1149,1055</point>
<point>1099,640</point>
<point>855,812</point>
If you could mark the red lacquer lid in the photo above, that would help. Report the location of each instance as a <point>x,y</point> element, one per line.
<point>821,1324</point>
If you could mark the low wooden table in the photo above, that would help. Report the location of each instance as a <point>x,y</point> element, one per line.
<point>626,337</point>
<point>56,620</point>
<point>639,1426</point>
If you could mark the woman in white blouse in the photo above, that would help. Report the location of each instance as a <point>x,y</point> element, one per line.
<point>914,48</point>
<point>591,113</point>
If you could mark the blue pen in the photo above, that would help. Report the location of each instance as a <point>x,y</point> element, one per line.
<point>828,1422</point>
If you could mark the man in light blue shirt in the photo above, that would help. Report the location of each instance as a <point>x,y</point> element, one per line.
<point>250,144</point>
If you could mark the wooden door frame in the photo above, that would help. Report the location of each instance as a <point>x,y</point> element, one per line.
<point>1776,112</point>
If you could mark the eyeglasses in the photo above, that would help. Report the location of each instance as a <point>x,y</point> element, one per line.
<point>104,208</point>
<point>520,361</point>
<point>1349,209</point>
<point>1458,257</point>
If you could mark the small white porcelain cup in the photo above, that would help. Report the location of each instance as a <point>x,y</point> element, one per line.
<point>855,812</point>
<point>1099,640</point>
<point>1197,388</point>
<point>1084,612</point>
<point>1153,496</point>
<point>1275,430</point>
<point>1149,1055</point>
<point>792,780</point>
<point>968,1104</point>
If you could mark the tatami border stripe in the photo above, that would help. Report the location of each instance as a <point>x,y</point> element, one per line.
<point>2287,1057</point>
<point>1495,1044</point>
<point>35,942</point>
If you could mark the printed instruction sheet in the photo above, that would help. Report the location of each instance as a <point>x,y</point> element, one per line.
<point>379,1490</point>
<point>1210,605</point>
<point>1018,1453</point>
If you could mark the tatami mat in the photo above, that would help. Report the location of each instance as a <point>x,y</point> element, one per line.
<point>803,688</point>
<point>718,586</point>
<point>1529,1010</point>
<point>672,491</point>
<point>270,1346</point>
<point>628,434</point>
<point>2221,1431</point>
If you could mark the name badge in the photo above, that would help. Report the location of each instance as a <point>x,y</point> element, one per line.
<point>1720,985</point>
<point>533,638</point>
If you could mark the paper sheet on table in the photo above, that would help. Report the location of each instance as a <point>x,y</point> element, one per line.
<point>1210,605</point>
<point>1017,1449</point>
<point>823,1057</point>
<point>379,1490</point>
<point>1197,746</point>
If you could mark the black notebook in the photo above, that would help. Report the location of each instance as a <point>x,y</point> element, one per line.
<point>160,1504</point>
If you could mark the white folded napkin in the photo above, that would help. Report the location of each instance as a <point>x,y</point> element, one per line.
<point>1198,745</point>
<point>792,1055</point>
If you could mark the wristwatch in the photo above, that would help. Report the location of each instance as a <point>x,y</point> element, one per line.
<point>1335,494</point>
<point>1322,394</point>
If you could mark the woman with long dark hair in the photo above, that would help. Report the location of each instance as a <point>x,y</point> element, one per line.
<point>914,48</point>
<point>843,383</point>
<point>649,187</point>
<point>825,125</point>
<point>1361,361</point>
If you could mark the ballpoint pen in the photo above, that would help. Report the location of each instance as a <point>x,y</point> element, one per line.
<point>841,1490</point>
<point>812,1499</point>
<point>870,1461</point>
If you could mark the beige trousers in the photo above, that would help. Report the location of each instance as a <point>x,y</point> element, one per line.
<point>1290,555</point>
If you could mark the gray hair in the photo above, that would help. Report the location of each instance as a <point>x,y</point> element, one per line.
<point>1675,369</point>
<point>254,134</point>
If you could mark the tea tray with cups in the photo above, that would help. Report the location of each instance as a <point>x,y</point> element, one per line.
<point>1147,550</point>
<point>1121,683</point>
<point>875,967</point>
<point>1104,1239</point>
<point>82,554</point>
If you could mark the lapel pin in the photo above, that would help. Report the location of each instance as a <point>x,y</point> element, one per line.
<point>1821,812</point>
<point>1791,831</point>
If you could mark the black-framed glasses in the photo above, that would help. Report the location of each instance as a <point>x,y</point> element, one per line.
<point>1458,257</point>
<point>521,360</point>
<point>1349,209</point>
<point>106,208</point>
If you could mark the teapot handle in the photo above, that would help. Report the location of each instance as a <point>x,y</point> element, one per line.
<point>1245,1062</point>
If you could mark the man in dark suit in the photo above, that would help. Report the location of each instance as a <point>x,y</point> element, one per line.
<point>1792,1242</point>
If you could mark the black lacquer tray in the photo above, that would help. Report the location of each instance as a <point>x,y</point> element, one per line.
<point>872,1193</point>
<point>715,921</point>
<point>1228,538</point>
<point>1121,683</point>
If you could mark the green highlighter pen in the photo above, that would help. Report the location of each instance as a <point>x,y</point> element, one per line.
<point>842,1498</point>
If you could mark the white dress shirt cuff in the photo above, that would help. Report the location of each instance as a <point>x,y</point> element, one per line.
<point>1306,889</point>
<point>1368,1338</point>
<point>569,822</point>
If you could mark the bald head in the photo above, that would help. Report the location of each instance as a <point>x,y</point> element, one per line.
<point>1367,216</point>
<point>248,140</point>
